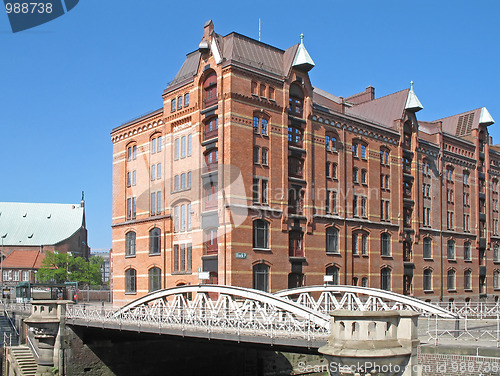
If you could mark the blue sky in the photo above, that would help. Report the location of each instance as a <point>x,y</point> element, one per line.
<point>65,84</point>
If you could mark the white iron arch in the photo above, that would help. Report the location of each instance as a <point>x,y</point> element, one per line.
<point>348,297</point>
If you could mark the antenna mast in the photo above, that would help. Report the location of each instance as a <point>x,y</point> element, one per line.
<point>259,29</point>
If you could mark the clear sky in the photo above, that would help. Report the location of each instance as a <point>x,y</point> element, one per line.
<point>65,84</point>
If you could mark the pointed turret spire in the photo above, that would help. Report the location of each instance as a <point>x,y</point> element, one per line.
<point>412,102</point>
<point>485,117</point>
<point>302,58</point>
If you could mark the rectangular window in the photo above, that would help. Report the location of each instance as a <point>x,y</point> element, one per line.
<point>134,207</point>
<point>354,175</point>
<point>355,206</point>
<point>354,150</point>
<point>255,154</point>
<point>355,244</point>
<point>189,179</point>
<point>129,154</point>
<point>264,156</point>
<point>255,125</point>
<point>129,208</point>
<point>328,205</point>
<point>183,147</point>
<point>176,182</point>
<point>5,276</point>
<point>183,181</point>
<point>190,145</point>
<point>363,207</point>
<point>186,99</point>
<point>129,179</point>
<point>153,203</point>
<point>158,142</point>
<point>153,172</point>
<point>179,103</point>
<point>176,219</point>
<point>264,191</point>
<point>26,276</point>
<point>334,202</point>
<point>173,107</point>
<point>264,126</point>
<point>182,265</point>
<point>176,149</point>
<point>189,258</point>
<point>334,170</point>
<point>364,245</point>
<point>134,152</point>
<point>153,146</point>
<point>183,217</point>
<point>255,190</point>
<point>133,177</point>
<point>176,257</point>
<point>188,214</point>
<point>158,202</point>
<point>158,171</point>
<point>327,169</point>
<point>363,151</point>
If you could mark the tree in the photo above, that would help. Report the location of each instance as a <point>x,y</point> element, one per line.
<point>61,267</point>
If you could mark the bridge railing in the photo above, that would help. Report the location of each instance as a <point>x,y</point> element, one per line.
<point>438,330</point>
<point>253,322</point>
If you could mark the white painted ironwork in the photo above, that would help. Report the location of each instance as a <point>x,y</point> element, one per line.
<point>326,298</point>
<point>210,309</point>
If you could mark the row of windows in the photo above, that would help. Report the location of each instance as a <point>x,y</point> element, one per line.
<point>263,91</point>
<point>156,144</point>
<point>182,181</point>
<point>176,103</point>
<point>359,150</point>
<point>156,207</point>
<point>154,242</point>
<point>154,280</point>
<point>15,275</point>
<point>155,171</point>
<point>183,147</point>
<point>260,156</point>
<point>182,217</point>
<point>131,178</point>
<point>259,191</point>
<point>355,176</point>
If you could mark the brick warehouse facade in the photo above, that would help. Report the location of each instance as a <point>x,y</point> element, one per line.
<point>253,176</point>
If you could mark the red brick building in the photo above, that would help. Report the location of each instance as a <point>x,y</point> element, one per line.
<point>257,178</point>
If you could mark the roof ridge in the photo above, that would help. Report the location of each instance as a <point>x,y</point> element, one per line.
<point>241,36</point>
<point>376,99</point>
<point>461,113</point>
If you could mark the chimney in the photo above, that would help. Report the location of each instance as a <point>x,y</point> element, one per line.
<point>371,91</point>
<point>209,29</point>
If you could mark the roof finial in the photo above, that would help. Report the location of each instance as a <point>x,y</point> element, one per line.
<point>411,85</point>
<point>301,38</point>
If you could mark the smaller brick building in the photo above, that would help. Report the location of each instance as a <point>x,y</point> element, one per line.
<point>28,230</point>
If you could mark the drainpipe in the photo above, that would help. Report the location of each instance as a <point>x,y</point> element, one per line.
<point>222,154</point>
<point>345,203</point>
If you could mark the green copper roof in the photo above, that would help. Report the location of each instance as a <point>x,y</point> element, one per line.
<point>25,224</point>
<point>302,58</point>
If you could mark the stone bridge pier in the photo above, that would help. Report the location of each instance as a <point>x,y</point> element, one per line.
<point>372,343</point>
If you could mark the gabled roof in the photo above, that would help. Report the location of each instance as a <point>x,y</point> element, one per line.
<point>23,259</point>
<point>463,124</point>
<point>382,110</point>
<point>26,224</point>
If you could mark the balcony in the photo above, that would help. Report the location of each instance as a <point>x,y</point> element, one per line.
<point>209,102</point>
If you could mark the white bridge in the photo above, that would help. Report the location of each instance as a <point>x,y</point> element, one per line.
<point>293,318</point>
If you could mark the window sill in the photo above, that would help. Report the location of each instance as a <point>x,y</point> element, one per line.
<point>428,259</point>
<point>155,254</point>
<point>468,290</point>
<point>387,257</point>
<point>428,291</point>
<point>131,293</point>
<point>452,260</point>
<point>262,250</point>
<point>364,254</point>
<point>468,260</point>
<point>356,255</point>
<point>333,253</point>
<point>452,290</point>
<point>182,272</point>
<point>129,256</point>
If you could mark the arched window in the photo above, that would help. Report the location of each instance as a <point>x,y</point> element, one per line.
<point>384,156</point>
<point>260,234</point>
<point>451,250</point>
<point>211,159</point>
<point>296,101</point>
<point>210,90</point>
<point>385,246</point>
<point>331,142</point>
<point>130,281</point>
<point>427,248</point>
<point>261,277</point>
<point>334,272</point>
<point>154,276</point>
<point>467,253</point>
<point>260,124</point>
<point>465,177</point>
<point>131,152</point>
<point>452,280</point>
<point>211,128</point>
<point>332,240</point>
<point>467,279</point>
<point>496,253</point>
<point>428,280</point>
<point>364,282</point>
<point>130,243</point>
<point>496,279</point>
<point>182,217</point>
<point>154,241</point>
<point>385,279</point>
